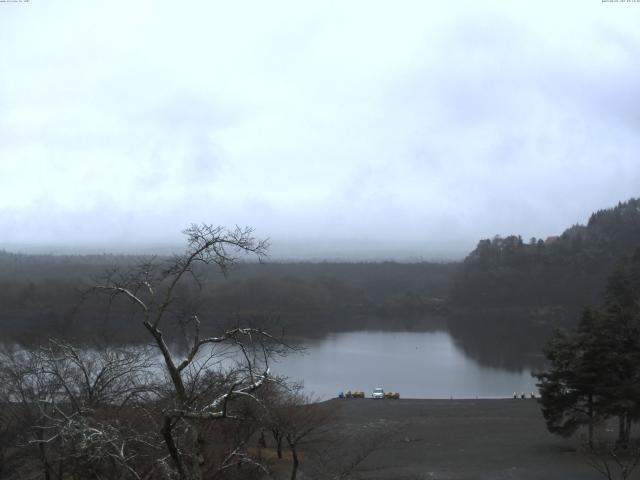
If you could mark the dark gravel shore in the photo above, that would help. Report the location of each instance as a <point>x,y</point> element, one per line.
<point>462,439</point>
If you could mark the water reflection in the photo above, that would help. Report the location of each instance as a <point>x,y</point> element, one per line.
<point>417,364</point>
<point>506,341</point>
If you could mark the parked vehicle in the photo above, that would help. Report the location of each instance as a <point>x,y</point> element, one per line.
<point>378,392</point>
<point>354,394</point>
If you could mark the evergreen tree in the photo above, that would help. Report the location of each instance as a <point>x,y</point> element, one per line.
<point>568,390</point>
<point>621,329</point>
<point>595,370</point>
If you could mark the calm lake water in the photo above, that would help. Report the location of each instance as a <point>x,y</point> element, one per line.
<point>416,364</point>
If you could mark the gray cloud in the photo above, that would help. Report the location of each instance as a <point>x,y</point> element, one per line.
<point>404,131</point>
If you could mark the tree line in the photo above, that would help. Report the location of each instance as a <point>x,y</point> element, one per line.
<point>42,295</point>
<point>570,269</point>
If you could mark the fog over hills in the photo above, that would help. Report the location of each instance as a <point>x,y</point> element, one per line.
<point>311,250</point>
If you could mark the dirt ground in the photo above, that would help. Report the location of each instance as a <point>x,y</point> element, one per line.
<point>459,439</point>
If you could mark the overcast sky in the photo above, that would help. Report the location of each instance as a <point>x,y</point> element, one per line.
<point>405,129</point>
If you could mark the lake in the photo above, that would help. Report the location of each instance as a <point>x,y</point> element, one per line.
<point>416,364</point>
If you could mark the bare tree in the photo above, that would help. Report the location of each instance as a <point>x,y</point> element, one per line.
<point>27,395</point>
<point>305,418</point>
<point>273,419</point>
<point>99,375</point>
<point>612,460</point>
<point>63,402</point>
<point>239,356</point>
<point>295,418</point>
<point>7,432</point>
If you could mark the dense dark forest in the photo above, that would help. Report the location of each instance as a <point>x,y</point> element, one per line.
<point>568,270</point>
<point>503,283</point>
<point>42,294</point>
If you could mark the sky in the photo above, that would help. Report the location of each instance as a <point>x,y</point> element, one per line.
<point>340,130</point>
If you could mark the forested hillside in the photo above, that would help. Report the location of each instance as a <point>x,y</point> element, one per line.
<point>570,269</point>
